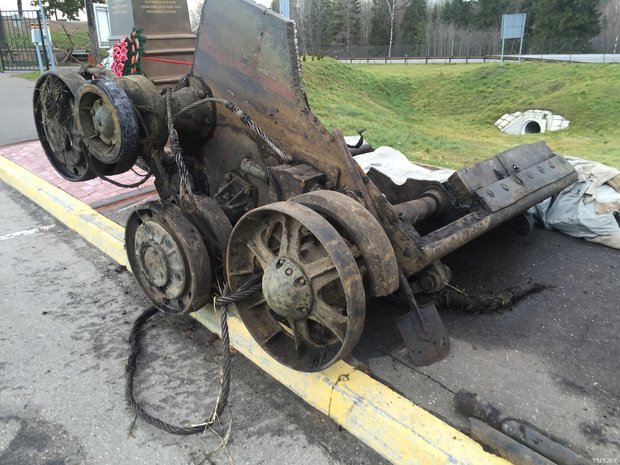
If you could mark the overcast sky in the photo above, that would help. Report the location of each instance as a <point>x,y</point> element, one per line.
<point>11,5</point>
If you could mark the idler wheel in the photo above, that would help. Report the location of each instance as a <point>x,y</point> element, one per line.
<point>168,258</point>
<point>53,104</point>
<point>357,225</point>
<point>312,309</point>
<point>108,123</point>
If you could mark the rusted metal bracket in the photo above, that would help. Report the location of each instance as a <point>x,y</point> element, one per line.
<point>516,439</point>
<point>422,330</point>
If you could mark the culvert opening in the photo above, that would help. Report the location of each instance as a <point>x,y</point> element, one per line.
<point>532,127</point>
<point>531,122</point>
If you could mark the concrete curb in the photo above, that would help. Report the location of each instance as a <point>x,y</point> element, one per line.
<point>387,422</point>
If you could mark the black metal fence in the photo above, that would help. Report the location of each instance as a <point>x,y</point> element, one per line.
<point>17,51</point>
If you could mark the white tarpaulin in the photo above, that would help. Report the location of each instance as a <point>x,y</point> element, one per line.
<point>394,164</point>
<point>590,208</point>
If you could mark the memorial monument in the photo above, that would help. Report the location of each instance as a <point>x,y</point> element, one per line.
<point>170,43</point>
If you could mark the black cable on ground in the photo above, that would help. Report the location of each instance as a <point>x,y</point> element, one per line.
<point>249,288</point>
<point>455,299</point>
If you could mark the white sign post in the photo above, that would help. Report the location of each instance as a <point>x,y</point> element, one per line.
<point>513,27</point>
<point>37,38</point>
<point>45,38</point>
<point>284,8</point>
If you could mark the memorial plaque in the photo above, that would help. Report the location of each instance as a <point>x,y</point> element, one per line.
<point>121,18</point>
<point>161,16</point>
<point>152,16</point>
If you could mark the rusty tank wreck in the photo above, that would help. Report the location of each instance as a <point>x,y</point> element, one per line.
<point>252,186</point>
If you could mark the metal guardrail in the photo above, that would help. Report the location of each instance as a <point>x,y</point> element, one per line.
<point>574,58</point>
<point>416,60</point>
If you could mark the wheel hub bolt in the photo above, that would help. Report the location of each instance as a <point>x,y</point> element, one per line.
<point>303,311</point>
<point>289,271</point>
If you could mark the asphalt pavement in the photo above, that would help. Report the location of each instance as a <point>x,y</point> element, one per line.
<point>16,119</point>
<point>553,359</point>
<point>66,310</point>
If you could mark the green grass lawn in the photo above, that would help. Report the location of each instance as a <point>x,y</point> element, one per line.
<point>444,114</point>
<point>31,75</point>
<point>77,40</point>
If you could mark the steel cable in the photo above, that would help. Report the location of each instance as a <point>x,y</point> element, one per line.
<point>249,288</point>
<point>245,119</point>
<point>185,188</point>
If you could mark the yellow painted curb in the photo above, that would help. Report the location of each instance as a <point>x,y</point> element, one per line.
<point>387,422</point>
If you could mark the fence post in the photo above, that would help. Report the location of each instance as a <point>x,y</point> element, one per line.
<point>92,30</point>
<point>2,40</point>
<point>44,45</point>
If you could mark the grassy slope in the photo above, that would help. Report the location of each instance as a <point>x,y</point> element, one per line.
<point>444,114</point>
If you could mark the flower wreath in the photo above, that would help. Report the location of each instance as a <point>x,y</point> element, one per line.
<point>127,53</point>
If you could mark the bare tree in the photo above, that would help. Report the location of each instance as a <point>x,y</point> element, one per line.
<point>366,12</point>
<point>610,27</point>
<point>391,12</point>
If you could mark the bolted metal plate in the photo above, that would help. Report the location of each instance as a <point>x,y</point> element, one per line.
<point>424,334</point>
<point>507,191</point>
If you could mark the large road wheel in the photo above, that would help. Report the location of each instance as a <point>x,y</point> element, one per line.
<point>312,309</point>
<point>53,104</point>
<point>168,257</point>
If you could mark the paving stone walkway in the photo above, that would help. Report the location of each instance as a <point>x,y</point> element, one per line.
<point>96,192</point>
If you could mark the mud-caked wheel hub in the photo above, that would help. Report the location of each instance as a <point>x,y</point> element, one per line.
<point>168,258</point>
<point>103,121</point>
<point>287,289</point>
<point>160,258</point>
<point>108,122</point>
